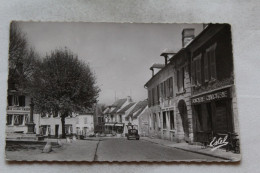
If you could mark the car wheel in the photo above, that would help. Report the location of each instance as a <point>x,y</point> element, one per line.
<point>137,138</point>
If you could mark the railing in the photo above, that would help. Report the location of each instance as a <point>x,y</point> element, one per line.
<point>18,108</point>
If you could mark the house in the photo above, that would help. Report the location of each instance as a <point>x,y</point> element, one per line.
<point>75,124</point>
<point>18,111</point>
<point>169,93</point>
<point>114,116</point>
<point>213,96</point>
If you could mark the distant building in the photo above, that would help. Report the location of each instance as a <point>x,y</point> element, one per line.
<point>114,117</point>
<point>76,124</point>
<point>143,120</point>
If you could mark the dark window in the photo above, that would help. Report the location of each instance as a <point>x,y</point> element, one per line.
<point>170,87</point>
<point>10,100</point>
<point>158,93</point>
<point>211,58</point>
<point>9,119</point>
<point>198,70</point>
<point>21,100</point>
<point>206,67</point>
<point>171,120</point>
<point>162,90</point>
<point>164,120</point>
<point>193,73</point>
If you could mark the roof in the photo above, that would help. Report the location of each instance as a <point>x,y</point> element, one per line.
<point>156,65</point>
<point>138,107</point>
<point>119,103</point>
<point>126,107</point>
<point>116,105</point>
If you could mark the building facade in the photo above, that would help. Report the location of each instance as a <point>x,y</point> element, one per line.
<point>213,95</point>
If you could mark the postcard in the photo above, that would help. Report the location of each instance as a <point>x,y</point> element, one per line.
<point>124,92</point>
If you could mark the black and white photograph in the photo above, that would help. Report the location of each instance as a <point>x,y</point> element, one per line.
<point>121,92</point>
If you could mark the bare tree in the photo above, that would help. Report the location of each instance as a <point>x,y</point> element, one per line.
<point>64,84</point>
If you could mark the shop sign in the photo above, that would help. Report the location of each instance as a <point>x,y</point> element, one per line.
<point>210,97</point>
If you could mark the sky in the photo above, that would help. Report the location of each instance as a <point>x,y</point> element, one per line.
<point>120,54</point>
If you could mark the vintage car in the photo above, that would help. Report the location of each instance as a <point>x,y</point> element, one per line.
<point>132,132</point>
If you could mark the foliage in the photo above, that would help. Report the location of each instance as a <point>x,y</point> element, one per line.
<point>64,84</point>
<point>22,59</point>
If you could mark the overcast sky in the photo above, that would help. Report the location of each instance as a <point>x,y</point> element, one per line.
<point>119,54</point>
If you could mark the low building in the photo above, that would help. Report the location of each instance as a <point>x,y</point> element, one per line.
<point>76,124</point>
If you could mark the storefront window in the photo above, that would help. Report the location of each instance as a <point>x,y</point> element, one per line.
<point>164,120</point>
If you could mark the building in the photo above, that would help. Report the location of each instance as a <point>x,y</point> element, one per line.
<point>213,96</point>
<point>132,117</point>
<point>162,122</point>
<point>143,120</point>
<point>18,111</point>
<point>76,124</point>
<point>192,98</point>
<point>114,116</point>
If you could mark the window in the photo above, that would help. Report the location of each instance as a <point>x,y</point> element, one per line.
<point>162,90</point>
<point>9,119</point>
<point>206,67</point>
<point>21,100</point>
<point>26,119</point>
<point>165,89</point>
<point>159,121</point>
<point>154,120</point>
<point>18,119</point>
<point>120,118</point>
<point>10,100</point>
<point>193,73</point>
<point>180,79</point>
<point>171,120</point>
<point>15,101</point>
<point>164,120</point>
<point>170,87</point>
<point>158,94</point>
<point>211,54</point>
<point>85,120</point>
<point>198,70</point>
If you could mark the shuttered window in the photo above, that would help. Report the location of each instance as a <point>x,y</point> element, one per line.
<point>206,67</point>
<point>211,57</point>
<point>171,87</point>
<point>198,69</point>
<point>193,73</point>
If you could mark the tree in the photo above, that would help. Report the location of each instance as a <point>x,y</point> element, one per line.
<point>22,59</point>
<point>64,84</point>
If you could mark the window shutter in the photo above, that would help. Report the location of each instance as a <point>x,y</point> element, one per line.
<point>198,67</point>
<point>206,67</point>
<point>213,64</point>
<point>193,73</point>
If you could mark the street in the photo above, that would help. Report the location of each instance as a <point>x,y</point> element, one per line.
<point>121,149</point>
<point>108,149</point>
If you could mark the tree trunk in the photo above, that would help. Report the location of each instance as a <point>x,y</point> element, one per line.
<point>63,126</point>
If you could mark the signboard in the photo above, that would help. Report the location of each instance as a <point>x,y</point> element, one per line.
<point>217,95</point>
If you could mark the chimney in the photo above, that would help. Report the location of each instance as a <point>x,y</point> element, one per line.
<point>129,99</point>
<point>187,36</point>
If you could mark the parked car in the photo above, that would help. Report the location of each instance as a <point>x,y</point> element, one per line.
<point>132,132</point>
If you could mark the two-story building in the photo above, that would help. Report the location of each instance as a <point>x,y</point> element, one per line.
<point>213,96</point>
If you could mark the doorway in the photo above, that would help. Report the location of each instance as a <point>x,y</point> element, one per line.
<point>56,131</point>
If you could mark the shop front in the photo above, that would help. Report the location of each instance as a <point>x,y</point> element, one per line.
<point>212,115</point>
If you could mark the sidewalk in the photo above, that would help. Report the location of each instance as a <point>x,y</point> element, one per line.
<point>219,153</point>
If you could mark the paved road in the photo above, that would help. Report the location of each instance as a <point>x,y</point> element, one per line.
<point>108,149</point>
<point>121,149</point>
